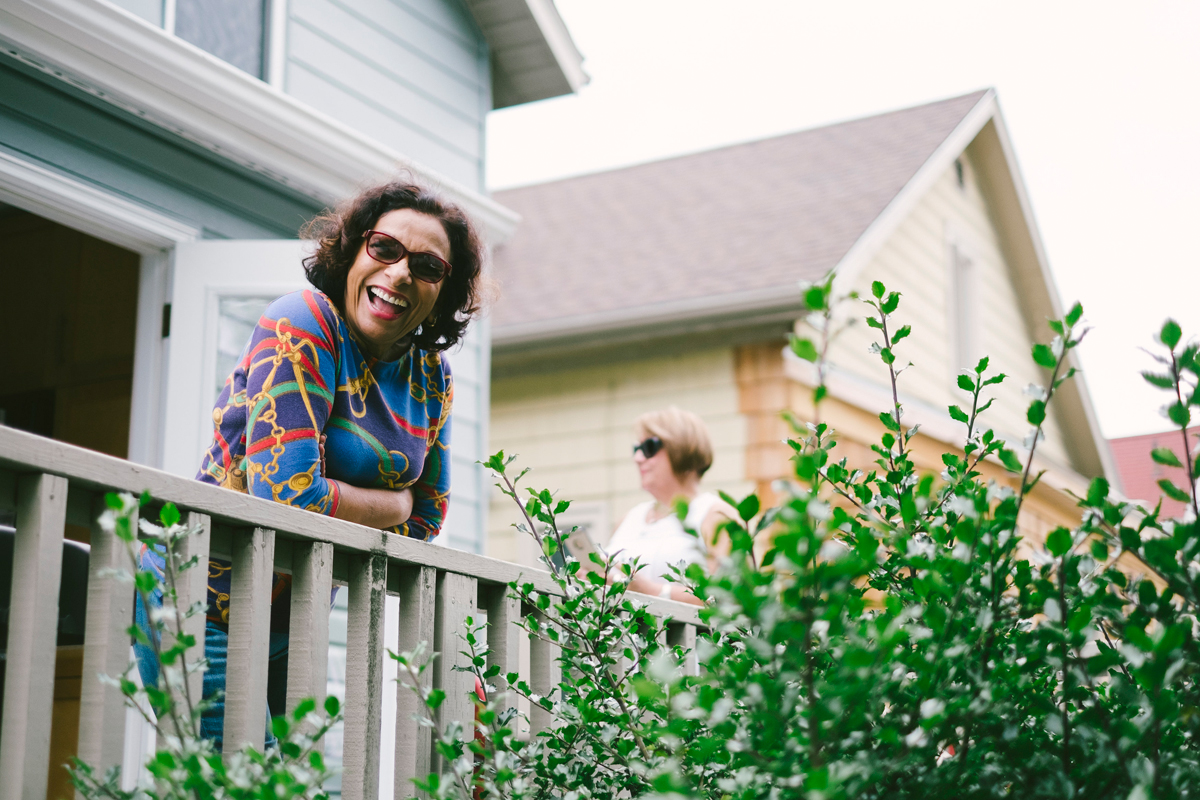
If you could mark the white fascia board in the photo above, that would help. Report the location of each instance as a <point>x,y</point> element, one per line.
<point>880,230</point>
<point>729,306</point>
<point>1047,285</point>
<point>79,205</point>
<point>559,40</point>
<point>122,59</point>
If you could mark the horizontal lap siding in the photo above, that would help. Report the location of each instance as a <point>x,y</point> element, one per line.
<point>466,517</point>
<point>575,428</point>
<point>414,76</point>
<point>915,262</point>
<point>58,128</point>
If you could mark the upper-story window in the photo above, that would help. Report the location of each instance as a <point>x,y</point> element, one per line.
<point>232,30</point>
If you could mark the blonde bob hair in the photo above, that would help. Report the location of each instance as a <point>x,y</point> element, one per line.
<point>684,436</point>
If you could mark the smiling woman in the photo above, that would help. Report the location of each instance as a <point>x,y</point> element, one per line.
<point>340,403</point>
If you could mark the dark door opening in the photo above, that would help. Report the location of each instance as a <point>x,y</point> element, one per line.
<point>67,329</point>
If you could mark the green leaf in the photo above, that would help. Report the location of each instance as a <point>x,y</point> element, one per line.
<point>1099,551</point>
<point>982,366</point>
<point>886,354</point>
<point>814,298</point>
<point>169,515</point>
<point>892,302</point>
<point>965,383</point>
<point>1161,381</point>
<point>958,414</point>
<point>1058,542</point>
<point>748,507</point>
<point>889,421</point>
<point>1044,356</point>
<point>995,379</point>
<point>332,706</point>
<point>1097,492</point>
<point>304,708</point>
<point>877,289</point>
<point>1009,459</point>
<point>1165,456</point>
<point>1074,314</point>
<point>1037,412</point>
<point>280,727</point>
<point>902,333</point>
<point>804,348</point>
<point>1170,333</point>
<point>1179,414</point>
<point>819,393</point>
<point>146,581</point>
<point>1174,492</point>
<point>873,322</point>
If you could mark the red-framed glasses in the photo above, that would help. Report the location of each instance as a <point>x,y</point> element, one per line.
<point>387,249</point>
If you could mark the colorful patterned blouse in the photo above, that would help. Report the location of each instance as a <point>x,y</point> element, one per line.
<point>387,423</point>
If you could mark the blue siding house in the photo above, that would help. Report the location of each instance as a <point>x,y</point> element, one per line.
<point>157,158</point>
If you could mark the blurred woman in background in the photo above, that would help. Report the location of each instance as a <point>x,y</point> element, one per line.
<point>672,453</point>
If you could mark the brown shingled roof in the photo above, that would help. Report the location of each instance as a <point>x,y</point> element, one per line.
<point>747,217</point>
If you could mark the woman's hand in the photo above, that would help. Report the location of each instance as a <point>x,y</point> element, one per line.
<point>375,508</point>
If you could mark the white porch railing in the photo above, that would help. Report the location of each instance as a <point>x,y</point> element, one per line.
<point>49,484</point>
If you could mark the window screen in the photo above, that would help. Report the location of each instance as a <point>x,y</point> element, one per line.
<point>232,30</point>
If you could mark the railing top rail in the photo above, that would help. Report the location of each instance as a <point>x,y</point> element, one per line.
<point>22,452</point>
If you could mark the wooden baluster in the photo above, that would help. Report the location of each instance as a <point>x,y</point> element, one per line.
<point>544,676</point>
<point>191,589</point>
<point>684,635</point>
<point>456,595</point>
<point>364,677</point>
<point>414,743</point>
<point>101,740</point>
<point>32,637</point>
<point>249,639</point>
<point>503,614</point>
<point>308,633</point>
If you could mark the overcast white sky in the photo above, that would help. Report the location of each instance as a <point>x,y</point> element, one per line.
<point>1102,100</point>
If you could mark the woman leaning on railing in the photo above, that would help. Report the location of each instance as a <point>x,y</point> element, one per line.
<point>341,401</point>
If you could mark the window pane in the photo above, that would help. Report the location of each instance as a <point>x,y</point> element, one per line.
<point>237,317</point>
<point>232,30</point>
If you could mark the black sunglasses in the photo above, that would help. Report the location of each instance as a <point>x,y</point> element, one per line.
<point>387,249</point>
<point>649,447</point>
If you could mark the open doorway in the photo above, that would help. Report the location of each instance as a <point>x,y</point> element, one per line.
<point>68,324</point>
<point>68,329</point>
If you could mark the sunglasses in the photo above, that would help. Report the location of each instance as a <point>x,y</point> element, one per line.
<point>387,249</point>
<point>649,447</point>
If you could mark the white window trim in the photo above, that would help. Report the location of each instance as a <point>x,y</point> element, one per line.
<point>119,57</point>
<point>960,244</point>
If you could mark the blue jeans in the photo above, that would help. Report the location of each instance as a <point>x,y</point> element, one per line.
<point>216,650</point>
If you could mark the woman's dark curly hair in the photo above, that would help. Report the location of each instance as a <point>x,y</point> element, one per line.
<point>339,237</point>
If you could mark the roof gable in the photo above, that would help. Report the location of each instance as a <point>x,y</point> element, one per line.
<point>747,219</point>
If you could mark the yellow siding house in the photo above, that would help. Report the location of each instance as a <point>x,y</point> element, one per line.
<point>677,282</point>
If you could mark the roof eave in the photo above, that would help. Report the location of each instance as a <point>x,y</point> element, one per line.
<point>533,55</point>
<point>650,321</point>
<point>123,60</point>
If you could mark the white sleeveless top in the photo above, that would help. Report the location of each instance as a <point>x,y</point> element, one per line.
<point>663,543</point>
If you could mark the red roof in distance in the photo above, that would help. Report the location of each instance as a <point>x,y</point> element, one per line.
<point>1140,474</point>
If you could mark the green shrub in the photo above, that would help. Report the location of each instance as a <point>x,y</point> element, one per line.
<point>898,638</point>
